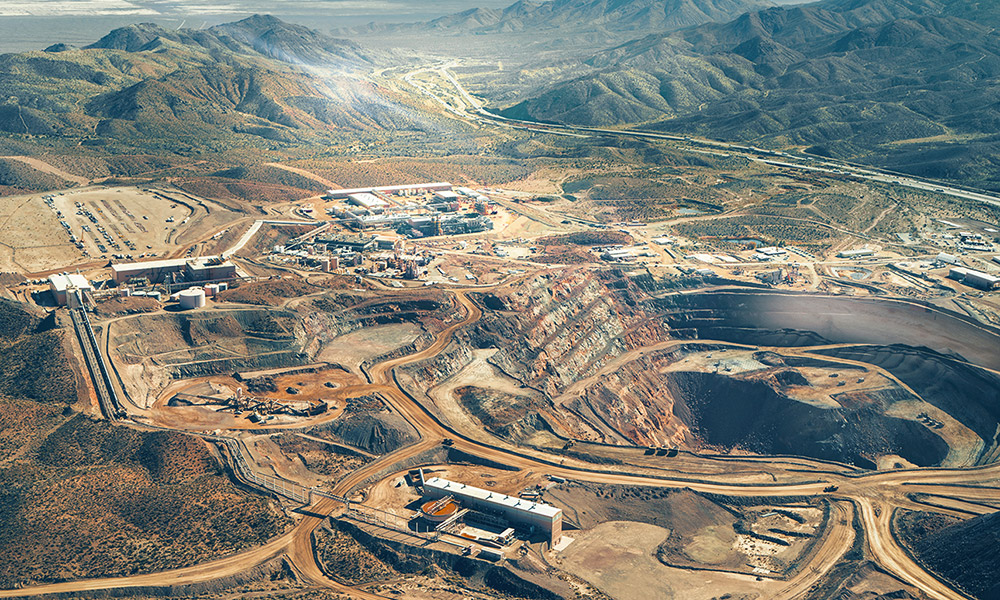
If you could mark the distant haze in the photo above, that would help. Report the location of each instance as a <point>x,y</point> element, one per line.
<point>36,24</point>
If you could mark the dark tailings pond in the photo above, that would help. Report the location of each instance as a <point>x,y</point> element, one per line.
<point>931,351</point>
<point>780,319</point>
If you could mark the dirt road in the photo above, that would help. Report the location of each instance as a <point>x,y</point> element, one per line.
<point>838,540</point>
<point>856,489</point>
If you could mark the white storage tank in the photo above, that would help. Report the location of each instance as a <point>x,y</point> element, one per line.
<point>211,289</point>
<point>192,298</point>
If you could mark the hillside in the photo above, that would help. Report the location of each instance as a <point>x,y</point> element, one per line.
<point>966,554</point>
<point>566,15</point>
<point>83,499</point>
<point>33,364</point>
<point>895,82</point>
<point>262,35</point>
<point>142,88</point>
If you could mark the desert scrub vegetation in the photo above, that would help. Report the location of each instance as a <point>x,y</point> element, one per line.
<point>588,238</point>
<point>14,321</point>
<point>346,559</point>
<point>267,293</point>
<point>20,176</point>
<point>99,500</point>
<point>390,171</point>
<point>773,229</point>
<point>254,192</point>
<point>23,424</point>
<point>33,363</point>
<point>323,459</point>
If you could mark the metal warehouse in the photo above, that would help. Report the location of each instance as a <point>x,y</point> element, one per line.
<point>977,279</point>
<point>525,513</point>
<point>368,201</point>
<point>437,186</point>
<point>203,268</point>
<point>60,283</point>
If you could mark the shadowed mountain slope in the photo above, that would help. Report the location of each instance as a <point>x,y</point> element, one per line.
<point>966,554</point>
<point>845,78</point>
<point>568,15</point>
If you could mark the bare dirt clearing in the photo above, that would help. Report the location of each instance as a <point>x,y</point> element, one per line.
<point>89,223</point>
<point>619,557</point>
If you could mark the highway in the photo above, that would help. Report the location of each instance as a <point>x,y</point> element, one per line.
<point>466,106</point>
<point>872,496</point>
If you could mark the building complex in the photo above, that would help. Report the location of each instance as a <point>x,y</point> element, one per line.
<point>205,268</point>
<point>525,514</point>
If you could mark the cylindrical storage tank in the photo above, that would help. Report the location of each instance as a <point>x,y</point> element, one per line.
<point>324,265</point>
<point>438,511</point>
<point>192,298</point>
<point>211,289</point>
<point>139,293</point>
<point>334,263</point>
<point>154,295</point>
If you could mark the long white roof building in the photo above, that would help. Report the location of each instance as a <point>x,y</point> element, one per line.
<point>543,516</point>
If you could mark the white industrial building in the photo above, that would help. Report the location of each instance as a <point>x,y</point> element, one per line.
<point>858,253</point>
<point>204,268</point>
<point>438,186</point>
<point>948,259</point>
<point>973,278</point>
<point>62,284</point>
<point>445,196</point>
<point>618,255</point>
<point>524,513</point>
<point>368,201</point>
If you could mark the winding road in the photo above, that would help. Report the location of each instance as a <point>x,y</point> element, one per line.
<point>872,495</point>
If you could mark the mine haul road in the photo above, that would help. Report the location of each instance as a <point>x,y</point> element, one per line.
<point>854,495</point>
<point>837,540</point>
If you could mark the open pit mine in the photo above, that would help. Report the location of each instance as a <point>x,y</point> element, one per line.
<point>254,343</point>
<point>579,430</point>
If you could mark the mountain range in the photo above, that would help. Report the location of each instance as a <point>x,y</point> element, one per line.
<point>256,82</point>
<point>910,84</point>
<point>628,16</point>
<point>262,35</point>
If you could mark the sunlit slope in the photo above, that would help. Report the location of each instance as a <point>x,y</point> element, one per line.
<point>257,82</point>
<point>844,78</point>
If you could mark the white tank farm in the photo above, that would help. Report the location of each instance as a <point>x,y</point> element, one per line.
<point>192,298</point>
